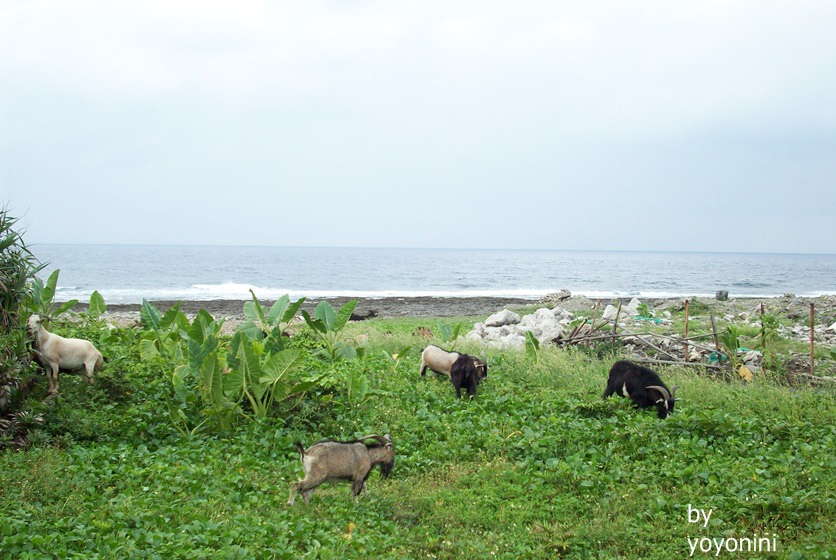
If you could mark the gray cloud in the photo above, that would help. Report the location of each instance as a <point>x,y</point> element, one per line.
<point>662,126</point>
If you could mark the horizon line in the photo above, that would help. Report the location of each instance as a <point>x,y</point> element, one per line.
<point>415,248</point>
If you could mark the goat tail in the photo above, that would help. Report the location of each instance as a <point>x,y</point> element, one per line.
<point>301,449</point>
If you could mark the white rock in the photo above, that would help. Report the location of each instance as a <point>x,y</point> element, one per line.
<point>610,312</point>
<point>491,333</point>
<point>544,314</point>
<point>504,317</point>
<point>752,357</point>
<point>562,314</point>
<point>513,341</point>
<point>523,328</point>
<point>551,333</point>
<point>633,307</point>
<point>473,336</point>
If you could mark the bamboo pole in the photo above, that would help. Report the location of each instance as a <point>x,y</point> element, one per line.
<point>676,363</point>
<point>653,346</point>
<point>625,334</point>
<point>686,330</point>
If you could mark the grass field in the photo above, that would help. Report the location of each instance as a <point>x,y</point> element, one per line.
<point>536,466</point>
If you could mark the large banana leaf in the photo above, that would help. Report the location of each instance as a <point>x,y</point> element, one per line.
<point>343,315</point>
<point>173,316</point>
<point>281,364</point>
<point>97,304</point>
<point>283,311</point>
<point>149,316</point>
<point>211,380</point>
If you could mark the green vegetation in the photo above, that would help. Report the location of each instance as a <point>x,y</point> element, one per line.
<point>184,447</point>
<point>536,466</point>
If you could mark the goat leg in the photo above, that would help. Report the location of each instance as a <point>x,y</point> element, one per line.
<point>307,495</point>
<point>357,486</point>
<point>306,487</point>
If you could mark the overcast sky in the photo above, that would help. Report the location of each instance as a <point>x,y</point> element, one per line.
<point>655,125</point>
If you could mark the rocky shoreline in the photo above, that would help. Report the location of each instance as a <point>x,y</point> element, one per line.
<point>794,308</point>
<point>550,318</point>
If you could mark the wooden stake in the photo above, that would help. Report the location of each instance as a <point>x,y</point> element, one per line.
<point>763,330</point>
<point>714,330</point>
<point>686,330</point>
<point>812,339</point>
<point>594,318</point>
<point>615,324</point>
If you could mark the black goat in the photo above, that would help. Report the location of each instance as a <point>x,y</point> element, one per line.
<point>463,370</point>
<point>642,385</point>
<point>464,373</point>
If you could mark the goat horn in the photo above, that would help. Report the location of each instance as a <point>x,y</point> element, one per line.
<point>665,394</point>
<point>673,391</point>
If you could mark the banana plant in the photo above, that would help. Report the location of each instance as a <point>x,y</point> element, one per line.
<point>41,298</point>
<point>162,333</point>
<point>269,324</point>
<point>532,347</point>
<point>730,341</point>
<point>201,380</point>
<point>263,378</point>
<point>450,333</point>
<point>396,358</point>
<point>328,325</point>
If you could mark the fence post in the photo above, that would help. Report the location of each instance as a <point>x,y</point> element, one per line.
<point>615,324</point>
<point>686,330</point>
<point>812,338</point>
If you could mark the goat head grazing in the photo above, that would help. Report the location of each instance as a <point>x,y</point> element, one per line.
<point>463,373</point>
<point>463,370</point>
<point>642,385</point>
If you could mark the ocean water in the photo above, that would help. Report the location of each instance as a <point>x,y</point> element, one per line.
<point>131,273</point>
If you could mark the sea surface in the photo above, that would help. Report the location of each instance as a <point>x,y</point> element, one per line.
<point>131,273</point>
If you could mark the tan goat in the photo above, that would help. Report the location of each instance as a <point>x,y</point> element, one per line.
<point>343,460</point>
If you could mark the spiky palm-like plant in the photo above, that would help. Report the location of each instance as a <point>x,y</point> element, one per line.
<point>17,267</point>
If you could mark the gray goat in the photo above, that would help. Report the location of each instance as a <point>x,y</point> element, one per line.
<point>343,460</point>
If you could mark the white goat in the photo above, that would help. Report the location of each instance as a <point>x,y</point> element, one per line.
<point>57,353</point>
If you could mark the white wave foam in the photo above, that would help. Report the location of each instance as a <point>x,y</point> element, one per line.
<point>236,291</point>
